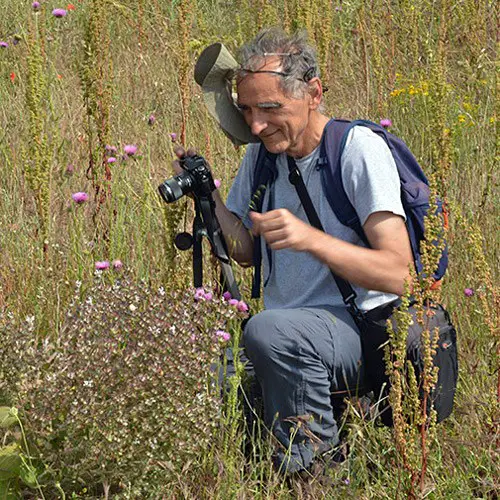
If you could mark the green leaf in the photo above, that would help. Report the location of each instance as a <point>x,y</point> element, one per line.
<point>10,462</point>
<point>8,416</point>
<point>6,491</point>
<point>28,475</point>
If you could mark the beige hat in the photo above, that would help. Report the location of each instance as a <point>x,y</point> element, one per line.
<point>213,72</point>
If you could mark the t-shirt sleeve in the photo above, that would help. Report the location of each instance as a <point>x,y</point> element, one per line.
<point>239,197</point>
<point>369,175</point>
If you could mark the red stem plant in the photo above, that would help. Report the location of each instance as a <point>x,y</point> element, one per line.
<point>185,9</point>
<point>96,80</point>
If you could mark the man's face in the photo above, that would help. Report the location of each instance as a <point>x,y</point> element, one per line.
<point>278,119</point>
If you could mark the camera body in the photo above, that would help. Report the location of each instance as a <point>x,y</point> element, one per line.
<point>196,179</point>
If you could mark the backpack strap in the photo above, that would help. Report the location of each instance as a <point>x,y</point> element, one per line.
<point>264,175</point>
<point>332,147</point>
<point>345,288</point>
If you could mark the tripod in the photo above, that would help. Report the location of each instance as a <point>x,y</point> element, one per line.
<point>206,224</point>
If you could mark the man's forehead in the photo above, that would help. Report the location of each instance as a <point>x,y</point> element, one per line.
<point>260,84</point>
<point>260,90</point>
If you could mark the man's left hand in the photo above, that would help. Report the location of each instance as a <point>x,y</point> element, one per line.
<point>281,229</point>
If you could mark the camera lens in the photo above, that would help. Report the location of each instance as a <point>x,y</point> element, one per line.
<point>176,187</point>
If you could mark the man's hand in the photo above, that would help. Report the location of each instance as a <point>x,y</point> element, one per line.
<point>282,230</point>
<point>181,153</point>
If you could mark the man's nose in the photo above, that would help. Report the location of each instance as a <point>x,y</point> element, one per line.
<point>257,123</point>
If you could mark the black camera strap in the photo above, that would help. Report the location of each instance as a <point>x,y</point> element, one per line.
<point>345,288</point>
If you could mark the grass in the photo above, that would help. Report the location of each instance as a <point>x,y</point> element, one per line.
<point>429,66</point>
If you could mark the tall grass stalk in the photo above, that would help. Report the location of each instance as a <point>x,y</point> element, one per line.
<point>38,157</point>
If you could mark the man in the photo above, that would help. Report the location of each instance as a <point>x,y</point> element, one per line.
<point>304,346</point>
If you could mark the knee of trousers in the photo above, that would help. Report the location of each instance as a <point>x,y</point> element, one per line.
<point>264,336</point>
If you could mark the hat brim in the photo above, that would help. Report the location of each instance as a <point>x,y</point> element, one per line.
<point>213,72</point>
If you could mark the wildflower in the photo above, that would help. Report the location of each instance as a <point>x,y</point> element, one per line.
<point>468,292</point>
<point>242,306</point>
<point>80,197</point>
<point>117,264</point>
<point>70,170</point>
<point>199,294</point>
<point>12,77</point>
<point>233,302</point>
<point>111,159</point>
<point>151,120</point>
<point>35,5</point>
<point>386,122</point>
<point>461,118</point>
<point>130,149</point>
<point>226,296</point>
<point>222,335</point>
<point>110,149</point>
<point>217,183</point>
<point>59,12</point>
<point>70,6</point>
<point>102,265</point>
<point>4,45</point>
<point>173,136</point>
<point>346,481</point>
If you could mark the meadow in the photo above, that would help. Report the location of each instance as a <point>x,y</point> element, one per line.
<point>105,346</point>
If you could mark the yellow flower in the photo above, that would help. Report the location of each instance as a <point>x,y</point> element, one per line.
<point>397,92</point>
<point>461,118</point>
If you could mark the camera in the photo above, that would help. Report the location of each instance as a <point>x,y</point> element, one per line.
<point>196,179</point>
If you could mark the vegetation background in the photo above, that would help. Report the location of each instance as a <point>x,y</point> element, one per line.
<point>119,72</point>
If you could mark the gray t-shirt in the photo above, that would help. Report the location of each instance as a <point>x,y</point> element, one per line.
<point>371,182</point>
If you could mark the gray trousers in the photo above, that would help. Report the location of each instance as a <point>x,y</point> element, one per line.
<point>300,357</point>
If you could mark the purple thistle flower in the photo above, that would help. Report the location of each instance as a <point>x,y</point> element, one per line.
<point>222,335</point>
<point>4,45</point>
<point>59,12</point>
<point>151,120</point>
<point>111,159</point>
<point>226,296</point>
<point>386,122</point>
<point>110,149</point>
<point>80,197</point>
<point>117,264</point>
<point>130,149</point>
<point>233,302</point>
<point>173,136</point>
<point>242,306</point>
<point>199,294</point>
<point>35,5</point>
<point>102,265</point>
<point>468,292</point>
<point>208,296</point>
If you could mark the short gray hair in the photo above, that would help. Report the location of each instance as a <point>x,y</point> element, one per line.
<point>297,58</point>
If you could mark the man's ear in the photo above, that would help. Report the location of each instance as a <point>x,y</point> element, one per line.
<point>315,90</point>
